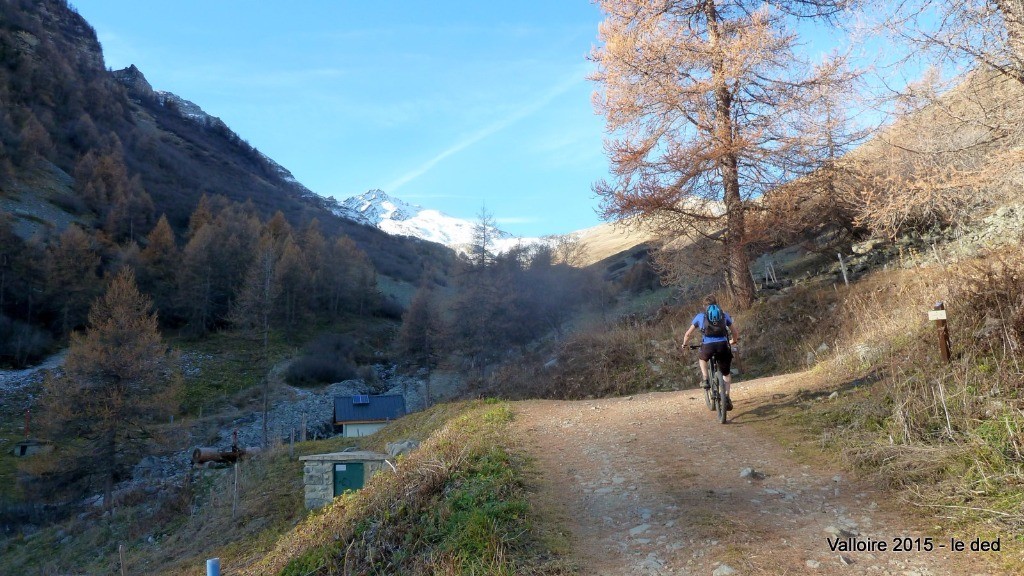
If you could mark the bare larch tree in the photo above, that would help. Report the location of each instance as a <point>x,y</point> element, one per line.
<point>700,99</point>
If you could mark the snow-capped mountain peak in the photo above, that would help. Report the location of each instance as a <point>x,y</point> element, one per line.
<point>394,216</point>
<point>375,206</point>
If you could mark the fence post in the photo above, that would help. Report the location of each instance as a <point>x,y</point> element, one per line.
<point>120,555</point>
<point>938,315</point>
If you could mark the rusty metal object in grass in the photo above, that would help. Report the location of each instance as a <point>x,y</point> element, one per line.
<point>202,455</point>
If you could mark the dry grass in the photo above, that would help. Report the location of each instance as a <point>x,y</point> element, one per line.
<point>272,495</point>
<point>948,436</point>
<point>633,356</point>
<point>190,523</point>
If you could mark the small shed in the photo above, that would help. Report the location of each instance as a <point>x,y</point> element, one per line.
<point>31,446</point>
<point>330,475</point>
<point>364,414</point>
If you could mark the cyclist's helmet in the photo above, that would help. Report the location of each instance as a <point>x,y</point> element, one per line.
<point>714,314</point>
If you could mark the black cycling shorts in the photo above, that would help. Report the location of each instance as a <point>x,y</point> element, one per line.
<point>720,350</point>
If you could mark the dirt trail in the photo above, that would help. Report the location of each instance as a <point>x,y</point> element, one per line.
<point>651,485</point>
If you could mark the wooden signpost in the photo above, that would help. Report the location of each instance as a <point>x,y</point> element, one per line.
<point>938,315</point>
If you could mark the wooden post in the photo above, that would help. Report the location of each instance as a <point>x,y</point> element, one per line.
<point>842,266</point>
<point>120,555</point>
<point>938,315</point>
<point>302,429</point>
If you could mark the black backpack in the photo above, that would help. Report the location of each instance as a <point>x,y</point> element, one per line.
<point>714,322</point>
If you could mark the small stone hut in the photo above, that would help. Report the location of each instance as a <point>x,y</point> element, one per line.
<point>30,447</point>
<point>329,475</point>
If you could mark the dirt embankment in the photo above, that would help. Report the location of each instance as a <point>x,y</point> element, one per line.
<point>653,485</point>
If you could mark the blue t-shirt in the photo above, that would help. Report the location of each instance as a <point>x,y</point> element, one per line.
<point>698,321</point>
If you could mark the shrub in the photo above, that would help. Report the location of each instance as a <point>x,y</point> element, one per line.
<point>327,359</point>
<point>389,307</point>
<point>22,344</point>
<point>312,371</point>
<point>627,358</point>
<point>641,277</point>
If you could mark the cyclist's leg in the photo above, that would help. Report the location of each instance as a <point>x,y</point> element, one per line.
<point>703,355</point>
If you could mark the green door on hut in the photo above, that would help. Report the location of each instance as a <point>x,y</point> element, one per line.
<point>347,476</point>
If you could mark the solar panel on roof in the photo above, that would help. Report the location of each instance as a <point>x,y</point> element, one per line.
<point>360,399</point>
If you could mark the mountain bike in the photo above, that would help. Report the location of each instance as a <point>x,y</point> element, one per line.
<point>714,396</point>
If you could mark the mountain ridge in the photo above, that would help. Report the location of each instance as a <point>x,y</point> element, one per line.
<point>140,91</point>
<point>56,89</point>
<point>398,217</point>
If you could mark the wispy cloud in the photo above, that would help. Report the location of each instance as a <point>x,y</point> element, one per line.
<point>435,196</point>
<point>576,78</point>
<point>517,220</point>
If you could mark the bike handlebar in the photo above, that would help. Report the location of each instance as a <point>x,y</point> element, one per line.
<point>697,346</point>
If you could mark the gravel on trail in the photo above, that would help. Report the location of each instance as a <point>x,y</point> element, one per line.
<point>653,485</point>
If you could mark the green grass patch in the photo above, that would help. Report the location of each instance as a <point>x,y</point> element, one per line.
<point>401,291</point>
<point>227,364</point>
<point>458,505</point>
<point>9,491</point>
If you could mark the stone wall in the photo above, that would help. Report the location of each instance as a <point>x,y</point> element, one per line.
<point>318,473</point>
<point>319,480</point>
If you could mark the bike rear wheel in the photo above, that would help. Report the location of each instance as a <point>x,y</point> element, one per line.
<point>718,384</point>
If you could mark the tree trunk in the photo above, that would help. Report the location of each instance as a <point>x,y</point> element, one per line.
<point>109,466</point>
<point>739,261</point>
<point>739,265</point>
<point>742,285</point>
<point>266,379</point>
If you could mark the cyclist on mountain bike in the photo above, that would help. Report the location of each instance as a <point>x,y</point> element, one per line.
<point>715,325</point>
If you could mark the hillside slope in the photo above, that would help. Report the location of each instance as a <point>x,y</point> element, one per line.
<point>611,238</point>
<point>61,111</point>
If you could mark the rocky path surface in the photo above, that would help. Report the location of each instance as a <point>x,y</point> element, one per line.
<point>653,485</point>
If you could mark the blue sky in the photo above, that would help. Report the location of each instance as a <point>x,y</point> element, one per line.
<point>450,105</point>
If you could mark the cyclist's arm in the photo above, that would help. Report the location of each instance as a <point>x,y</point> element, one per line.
<point>735,333</point>
<point>686,337</point>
